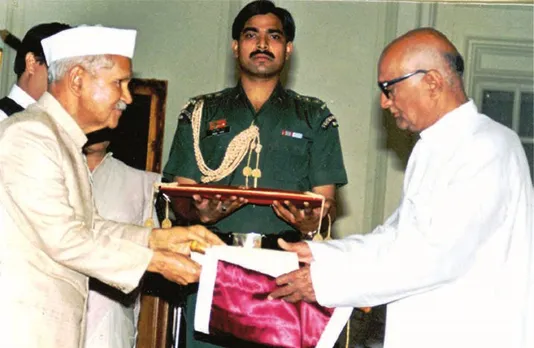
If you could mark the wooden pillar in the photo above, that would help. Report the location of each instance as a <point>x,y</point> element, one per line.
<point>149,97</point>
<point>154,323</point>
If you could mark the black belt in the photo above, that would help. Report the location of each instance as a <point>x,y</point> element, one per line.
<point>268,241</point>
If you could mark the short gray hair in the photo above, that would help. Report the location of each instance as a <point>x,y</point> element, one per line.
<point>58,69</point>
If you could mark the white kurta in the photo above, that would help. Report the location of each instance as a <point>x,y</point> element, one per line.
<point>19,96</point>
<point>122,194</point>
<point>51,238</point>
<point>455,261</point>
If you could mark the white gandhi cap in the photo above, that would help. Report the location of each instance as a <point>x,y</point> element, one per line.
<point>88,41</point>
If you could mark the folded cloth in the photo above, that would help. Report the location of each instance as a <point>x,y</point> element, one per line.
<point>232,301</point>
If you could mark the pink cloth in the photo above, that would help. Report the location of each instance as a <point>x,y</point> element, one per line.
<point>240,308</point>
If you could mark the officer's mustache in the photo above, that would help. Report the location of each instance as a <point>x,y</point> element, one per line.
<point>266,53</point>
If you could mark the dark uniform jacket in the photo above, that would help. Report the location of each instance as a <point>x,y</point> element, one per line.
<point>300,148</point>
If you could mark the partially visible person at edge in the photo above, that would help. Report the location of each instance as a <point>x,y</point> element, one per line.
<point>10,39</point>
<point>52,238</point>
<point>300,148</point>
<point>30,68</point>
<point>455,261</point>
<point>123,194</point>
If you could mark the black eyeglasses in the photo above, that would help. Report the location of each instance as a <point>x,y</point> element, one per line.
<point>386,84</point>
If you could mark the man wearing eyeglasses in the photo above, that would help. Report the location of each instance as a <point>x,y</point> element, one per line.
<point>455,261</point>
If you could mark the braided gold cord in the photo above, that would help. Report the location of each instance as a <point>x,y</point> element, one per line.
<point>236,151</point>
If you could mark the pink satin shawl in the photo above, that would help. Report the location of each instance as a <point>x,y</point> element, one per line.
<point>240,308</point>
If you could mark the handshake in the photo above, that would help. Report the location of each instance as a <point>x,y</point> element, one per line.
<point>172,250</point>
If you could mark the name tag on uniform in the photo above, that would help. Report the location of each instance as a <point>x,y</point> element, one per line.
<point>218,127</point>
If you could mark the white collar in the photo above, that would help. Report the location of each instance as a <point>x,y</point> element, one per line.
<point>106,157</point>
<point>20,97</point>
<point>52,106</point>
<point>452,126</point>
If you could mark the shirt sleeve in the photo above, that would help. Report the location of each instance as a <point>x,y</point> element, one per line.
<point>37,196</point>
<point>326,163</point>
<point>436,244</point>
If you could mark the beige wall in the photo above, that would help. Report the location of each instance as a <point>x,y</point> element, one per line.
<point>336,47</point>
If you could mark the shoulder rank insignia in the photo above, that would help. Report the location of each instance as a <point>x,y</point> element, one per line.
<point>185,116</point>
<point>186,113</point>
<point>313,100</point>
<point>329,121</point>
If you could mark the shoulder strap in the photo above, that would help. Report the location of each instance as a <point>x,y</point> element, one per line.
<point>9,106</point>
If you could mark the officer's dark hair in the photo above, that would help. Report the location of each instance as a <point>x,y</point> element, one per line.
<point>262,7</point>
<point>31,43</point>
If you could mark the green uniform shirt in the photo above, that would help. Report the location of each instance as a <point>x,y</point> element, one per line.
<point>300,148</point>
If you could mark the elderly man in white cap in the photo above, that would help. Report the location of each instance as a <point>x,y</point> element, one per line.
<point>51,237</point>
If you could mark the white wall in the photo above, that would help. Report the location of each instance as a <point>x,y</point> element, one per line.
<point>7,59</point>
<point>187,42</point>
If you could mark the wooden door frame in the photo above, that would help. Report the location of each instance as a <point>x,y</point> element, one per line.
<point>155,318</point>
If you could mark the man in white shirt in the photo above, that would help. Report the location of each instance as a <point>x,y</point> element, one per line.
<point>455,261</point>
<point>122,194</point>
<point>30,67</point>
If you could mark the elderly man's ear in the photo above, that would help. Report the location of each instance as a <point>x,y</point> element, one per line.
<point>435,82</point>
<point>76,75</point>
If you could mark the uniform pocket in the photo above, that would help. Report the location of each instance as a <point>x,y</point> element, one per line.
<point>289,160</point>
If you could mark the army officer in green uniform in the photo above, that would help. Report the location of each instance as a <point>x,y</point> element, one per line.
<point>257,134</point>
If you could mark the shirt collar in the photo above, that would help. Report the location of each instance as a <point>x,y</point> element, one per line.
<point>19,96</point>
<point>50,104</point>
<point>279,93</point>
<point>451,126</point>
<point>106,157</point>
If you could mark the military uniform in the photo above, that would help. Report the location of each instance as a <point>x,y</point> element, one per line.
<point>300,150</point>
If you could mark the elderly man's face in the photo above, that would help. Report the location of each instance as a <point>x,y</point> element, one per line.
<point>406,97</point>
<point>262,48</point>
<point>106,94</point>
